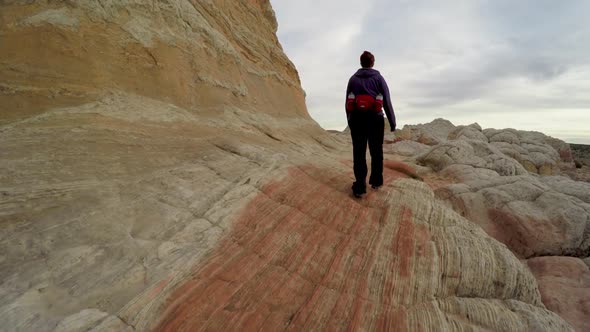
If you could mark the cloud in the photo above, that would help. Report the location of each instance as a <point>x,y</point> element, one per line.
<point>439,57</point>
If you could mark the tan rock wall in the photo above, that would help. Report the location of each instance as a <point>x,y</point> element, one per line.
<point>200,55</point>
<point>130,131</point>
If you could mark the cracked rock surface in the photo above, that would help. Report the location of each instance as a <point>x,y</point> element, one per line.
<point>509,183</point>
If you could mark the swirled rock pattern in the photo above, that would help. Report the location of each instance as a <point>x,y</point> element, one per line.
<point>565,287</point>
<point>534,151</point>
<point>406,148</point>
<point>529,216</point>
<point>474,153</point>
<point>304,255</point>
<point>537,152</point>
<point>159,170</point>
<point>431,133</point>
<point>547,215</point>
<point>495,183</point>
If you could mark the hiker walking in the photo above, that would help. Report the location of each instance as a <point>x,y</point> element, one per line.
<point>366,95</point>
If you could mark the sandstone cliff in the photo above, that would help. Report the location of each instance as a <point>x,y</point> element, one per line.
<point>159,170</point>
<point>199,55</point>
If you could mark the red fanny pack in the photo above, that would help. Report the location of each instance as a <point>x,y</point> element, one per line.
<point>364,103</point>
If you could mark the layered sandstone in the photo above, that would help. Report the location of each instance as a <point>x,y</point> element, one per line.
<point>498,187</point>
<point>509,183</point>
<point>565,287</point>
<point>200,55</point>
<point>304,255</point>
<point>159,170</point>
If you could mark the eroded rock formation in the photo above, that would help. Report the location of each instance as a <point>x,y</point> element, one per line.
<point>199,55</point>
<point>565,287</point>
<point>159,170</point>
<point>506,181</point>
<point>306,256</point>
<point>533,215</point>
<point>581,169</point>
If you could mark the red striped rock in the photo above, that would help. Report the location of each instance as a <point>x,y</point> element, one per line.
<point>159,171</point>
<point>564,283</point>
<point>304,255</point>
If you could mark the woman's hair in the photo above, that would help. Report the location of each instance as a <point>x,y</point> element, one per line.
<point>367,59</point>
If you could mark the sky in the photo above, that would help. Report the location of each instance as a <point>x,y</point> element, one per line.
<point>501,63</point>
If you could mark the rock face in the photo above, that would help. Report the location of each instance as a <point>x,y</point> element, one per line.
<point>537,152</point>
<point>534,151</point>
<point>394,261</point>
<point>478,155</point>
<point>581,153</point>
<point>159,171</point>
<point>527,214</point>
<point>498,189</point>
<point>496,184</point>
<point>199,55</point>
<point>407,148</point>
<point>131,132</point>
<point>430,134</point>
<point>581,169</point>
<point>565,287</point>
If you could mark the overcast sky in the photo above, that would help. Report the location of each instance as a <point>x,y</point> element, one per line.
<point>523,64</point>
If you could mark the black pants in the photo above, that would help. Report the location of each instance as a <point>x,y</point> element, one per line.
<point>367,127</point>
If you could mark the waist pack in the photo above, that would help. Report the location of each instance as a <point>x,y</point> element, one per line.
<point>364,103</point>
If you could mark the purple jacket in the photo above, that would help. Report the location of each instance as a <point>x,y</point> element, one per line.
<point>368,81</point>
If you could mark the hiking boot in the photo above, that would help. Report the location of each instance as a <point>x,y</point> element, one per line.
<point>376,184</point>
<point>358,192</point>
